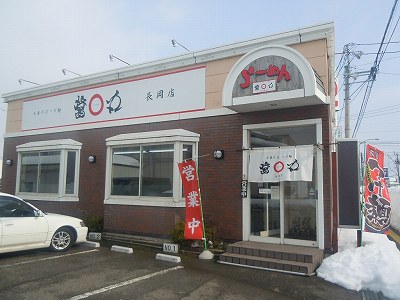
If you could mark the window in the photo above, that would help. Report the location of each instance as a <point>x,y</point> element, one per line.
<point>10,207</point>
<point>49,168</point>
<point>40,172</point>
<point>143,171</point>
<point>143,167</point>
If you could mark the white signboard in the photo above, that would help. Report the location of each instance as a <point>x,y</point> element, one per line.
<point>264,86</point>
<point>275,192</point>
<point>179,92</point>
<point>172,248</point>
<point>264,191</point>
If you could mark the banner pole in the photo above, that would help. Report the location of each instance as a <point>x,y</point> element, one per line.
<point>201,210</point>
<point>206,254</point>
<point>363,168</point>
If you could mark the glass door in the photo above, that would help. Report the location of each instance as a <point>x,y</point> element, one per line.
<point>265,209</point>
<point>283,212</point>
<point>300,209</point>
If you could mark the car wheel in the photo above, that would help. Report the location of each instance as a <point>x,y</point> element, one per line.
<point>62,239</point>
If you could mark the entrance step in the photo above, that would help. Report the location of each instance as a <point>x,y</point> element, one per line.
<point>283,258</point>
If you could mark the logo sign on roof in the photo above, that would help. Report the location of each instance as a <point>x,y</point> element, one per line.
<point>268,74</point>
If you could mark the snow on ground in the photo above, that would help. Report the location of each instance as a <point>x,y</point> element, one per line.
<point>375,266</point>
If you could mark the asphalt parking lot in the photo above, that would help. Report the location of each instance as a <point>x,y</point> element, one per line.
<point>99,273</point>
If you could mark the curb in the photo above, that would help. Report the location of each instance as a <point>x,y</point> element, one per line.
<point>122,249</point>
<point>170,258</point>
<point>91,244</point>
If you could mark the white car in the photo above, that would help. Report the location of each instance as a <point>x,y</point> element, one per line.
<point>23,227</point>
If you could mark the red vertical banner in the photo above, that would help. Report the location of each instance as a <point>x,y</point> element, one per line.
<point>193,219</point>
<point>376,195</point>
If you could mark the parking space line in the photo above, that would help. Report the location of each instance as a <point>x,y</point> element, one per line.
<point>117,285</point>
<point>47,258</point>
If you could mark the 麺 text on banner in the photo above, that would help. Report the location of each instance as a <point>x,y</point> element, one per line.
<point>377,204</point>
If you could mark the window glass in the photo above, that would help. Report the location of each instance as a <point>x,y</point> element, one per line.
<point>143,167</point>
<point>14,208</point>
<point>125,171</point>
<point>49,172</point>
<point>157,170</point>
<point>283,136</point>
<point>52,172</point>
<point>29,172</point>
<point>187,151</point>
<point>70,177</point>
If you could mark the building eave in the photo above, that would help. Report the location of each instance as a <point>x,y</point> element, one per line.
<point>306,34</point>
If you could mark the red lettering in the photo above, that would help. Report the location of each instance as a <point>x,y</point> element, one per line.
<point>270,72</point>
<point>246,75</point>
<point>283,73</point>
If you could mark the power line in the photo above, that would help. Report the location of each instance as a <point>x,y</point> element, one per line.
<point>375,69</point>
<point>374,53</point>
<point>371,44</point>
<point>389,73</point>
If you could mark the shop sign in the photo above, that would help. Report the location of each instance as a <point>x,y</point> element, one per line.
<point>194,219</point>
<point>348,178</point>
<point>268,74</point>
<point>172,93</point>
<point>264,86</point>
<point>281,164</point>
<point>377,201</point>
<point>275,192</point>
<point>244,188</point>
<point>264,191</point>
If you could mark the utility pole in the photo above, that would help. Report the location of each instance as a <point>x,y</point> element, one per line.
<point>346,91</point>
<point>349,54</point>
<point>397,162</point>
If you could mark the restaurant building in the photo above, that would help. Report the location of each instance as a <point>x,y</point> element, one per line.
<point>108,144</point>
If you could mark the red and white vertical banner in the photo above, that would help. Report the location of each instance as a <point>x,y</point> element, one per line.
<point>193,219</point>
<point>376,195</point>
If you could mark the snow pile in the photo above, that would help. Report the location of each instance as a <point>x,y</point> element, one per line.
<point>375,266</point>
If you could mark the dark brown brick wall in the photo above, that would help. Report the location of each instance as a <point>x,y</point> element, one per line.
<point>220,180</point>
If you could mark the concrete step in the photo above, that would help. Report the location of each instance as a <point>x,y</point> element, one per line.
<point>272,264</point>
<point>284,258</point>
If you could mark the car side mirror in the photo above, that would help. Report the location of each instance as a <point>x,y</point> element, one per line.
<point>38,213</point>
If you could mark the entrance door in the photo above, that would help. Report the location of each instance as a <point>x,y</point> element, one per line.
<point>283,212</point>
<point>265,209</point>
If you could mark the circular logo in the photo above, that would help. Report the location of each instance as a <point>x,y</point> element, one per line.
<point>279,166</point>
<point>93,105</point>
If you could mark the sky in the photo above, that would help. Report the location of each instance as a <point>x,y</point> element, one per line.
<point>41,37</point>
<point>374,267</point>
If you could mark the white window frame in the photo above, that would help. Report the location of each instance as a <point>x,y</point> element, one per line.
<point>177,137</point>
<point>64,146</point>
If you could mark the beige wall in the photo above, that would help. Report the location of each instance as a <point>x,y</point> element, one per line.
<point>216,72</point>
<point>14,116</point>
<point>316,53</point>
